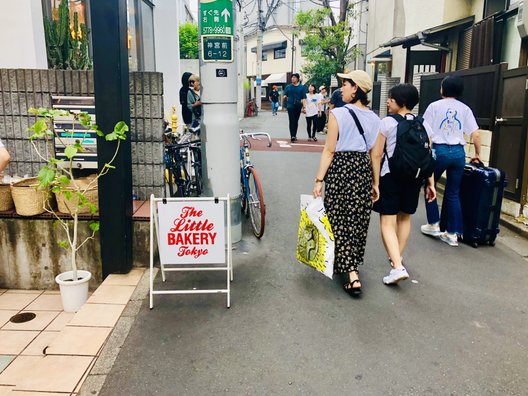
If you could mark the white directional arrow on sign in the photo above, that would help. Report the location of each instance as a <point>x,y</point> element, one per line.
<point>226,14</point>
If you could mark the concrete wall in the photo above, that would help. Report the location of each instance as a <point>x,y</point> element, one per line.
<point>22,89</point>
<point>30,257</point>
<point>167,44</point>
<point>22,43</point>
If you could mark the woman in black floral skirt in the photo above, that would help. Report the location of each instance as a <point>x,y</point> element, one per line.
<point>346,170</point>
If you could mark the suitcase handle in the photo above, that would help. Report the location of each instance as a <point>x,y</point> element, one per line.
<point>476,162</point>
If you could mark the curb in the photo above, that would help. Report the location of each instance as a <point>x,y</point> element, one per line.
<point>104,363</point>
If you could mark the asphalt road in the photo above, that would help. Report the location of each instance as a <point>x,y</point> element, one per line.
<point>458,326</point>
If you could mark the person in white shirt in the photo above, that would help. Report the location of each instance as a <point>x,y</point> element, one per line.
<point>312,111</point>
<point>450,119</point>
<point>4,157</point>
<point>346,170</point>
<point>398,198</point>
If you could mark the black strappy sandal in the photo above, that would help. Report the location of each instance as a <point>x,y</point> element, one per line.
<point>350,289</point>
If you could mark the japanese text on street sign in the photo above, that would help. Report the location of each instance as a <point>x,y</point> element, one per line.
<point>191,232</point>
<point>216,17</point>
<point>217,48</point>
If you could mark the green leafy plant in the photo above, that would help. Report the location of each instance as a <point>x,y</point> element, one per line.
<point>327,41</point>
<point>57,174</point>
<point>188,34</point>
<point>66,44</point>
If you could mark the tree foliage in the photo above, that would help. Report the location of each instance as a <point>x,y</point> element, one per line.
<point>327,41</point>
<point>189,41</point>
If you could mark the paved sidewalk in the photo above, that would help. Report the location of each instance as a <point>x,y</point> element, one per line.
<point>459,326</point>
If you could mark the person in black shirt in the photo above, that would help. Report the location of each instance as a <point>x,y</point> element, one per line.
<point>186,113</point>
<point>274,98</point>
<point>337,99</point>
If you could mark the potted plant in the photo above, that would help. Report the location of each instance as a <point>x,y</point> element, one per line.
<point>58,175</point>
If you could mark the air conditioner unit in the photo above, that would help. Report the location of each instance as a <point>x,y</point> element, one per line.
<point>522,20</point>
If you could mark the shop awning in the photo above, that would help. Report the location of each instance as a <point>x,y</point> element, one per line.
<point>433,35</point>
<point>272,46</point>
<point>276,78</point>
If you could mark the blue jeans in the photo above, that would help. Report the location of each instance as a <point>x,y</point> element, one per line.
<point>274,107</point>
<point>450,159</point>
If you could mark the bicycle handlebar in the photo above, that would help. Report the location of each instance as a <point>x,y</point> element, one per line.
<point>253,135</point>
<point>194,143</point>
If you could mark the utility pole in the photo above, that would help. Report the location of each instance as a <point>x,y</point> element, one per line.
<point>261,27</point>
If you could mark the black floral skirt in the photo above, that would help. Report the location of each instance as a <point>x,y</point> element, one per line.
<point>348,203</point>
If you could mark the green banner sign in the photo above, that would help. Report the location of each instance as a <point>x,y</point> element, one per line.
<point>216,17</point>
<point>217,48</point>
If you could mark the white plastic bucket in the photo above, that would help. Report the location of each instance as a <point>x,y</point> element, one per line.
<point>73,293</point>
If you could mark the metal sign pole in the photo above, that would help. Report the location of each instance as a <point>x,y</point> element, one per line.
<point>220,126</point>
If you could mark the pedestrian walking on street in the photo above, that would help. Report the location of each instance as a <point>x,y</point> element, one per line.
<point>450,120</point>
<point>398,196</point>
<point>346,170</point>
<point>295,94</point>
<point>323,118</point>
<point>312,111</point>
<point>274,99</point>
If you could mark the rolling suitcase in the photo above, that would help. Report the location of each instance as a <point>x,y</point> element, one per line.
<point>481,192</point>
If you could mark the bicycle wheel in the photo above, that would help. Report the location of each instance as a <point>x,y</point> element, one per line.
<point>256,207</point>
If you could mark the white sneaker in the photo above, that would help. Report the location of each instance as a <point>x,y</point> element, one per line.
<point>450,239</point>
<point>396,275</point>
<point>431,229</point>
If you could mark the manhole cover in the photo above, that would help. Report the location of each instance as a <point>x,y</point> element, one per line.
<point>22,317</point>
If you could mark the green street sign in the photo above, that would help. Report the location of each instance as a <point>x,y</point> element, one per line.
<point>216,17</point>
<point>217,48</point>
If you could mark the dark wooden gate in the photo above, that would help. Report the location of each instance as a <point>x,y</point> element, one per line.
<point>509,132</point>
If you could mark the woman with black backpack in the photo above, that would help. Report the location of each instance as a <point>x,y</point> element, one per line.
<point>402,137</point>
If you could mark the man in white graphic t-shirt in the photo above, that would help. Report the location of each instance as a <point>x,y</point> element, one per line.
<point>4,157</point>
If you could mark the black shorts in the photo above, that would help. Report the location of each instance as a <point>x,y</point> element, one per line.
<point>397,196</point>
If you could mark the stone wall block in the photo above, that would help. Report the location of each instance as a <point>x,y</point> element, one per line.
<point>142,173</point>
<point>131,85</point>
<point>68,81</point>
<point>60,88</point>
<point>37,86</point>
<point>17,132</point>
<point>30,100</point>
<point>140,129</point>
<point>48,82</point>
<point>147,110</point>
<point>140,152</point>
<point>12,80</point>
<point>15,104</point>
<point>133,151</point>
<point>3,131</point>
<point>138,82</point>
<point>91,86</point>
<point>4,79</point>
<point>157,128</point>
<point>156,106</point>
<point>46,100</point>
<point>139,106</point>
<point>147,137</point>
<point>25,122</point>
<point>148,153</point>
<point>22,100</point>
<point>132,106</point>
<point>38,100</point>
<point>28,80</point>
<point>83,84</point>
<point>2,112</point>
<point>6,97</point>
<point>157,153</point>
<point>146,83</point>
<point>21,80</point>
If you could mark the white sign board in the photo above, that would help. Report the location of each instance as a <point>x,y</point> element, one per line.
<point>191,232</point>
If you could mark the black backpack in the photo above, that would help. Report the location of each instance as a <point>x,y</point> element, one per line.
<point>412,158</point>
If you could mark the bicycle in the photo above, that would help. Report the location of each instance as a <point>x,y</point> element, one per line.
<point>251,189</point>
<point>183,161</point>
<point>183,167</point>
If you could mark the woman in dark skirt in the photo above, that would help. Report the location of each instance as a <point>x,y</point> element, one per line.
<point>346,170</point>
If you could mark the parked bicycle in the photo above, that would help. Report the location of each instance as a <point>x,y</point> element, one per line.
<point>252,196</point>
<point>183,161</point>
<point>184,169</point>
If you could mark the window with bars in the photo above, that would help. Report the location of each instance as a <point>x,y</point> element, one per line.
<point>279,53</point>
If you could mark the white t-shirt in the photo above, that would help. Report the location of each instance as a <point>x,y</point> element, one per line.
<point>388,128</point>
<point>349,137</point>
<point>1,144</point>
<point>312,102</point>
<point>450,119</point>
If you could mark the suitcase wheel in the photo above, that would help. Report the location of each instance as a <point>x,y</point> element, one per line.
<point>492,243</point>
<point>474,244</point>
